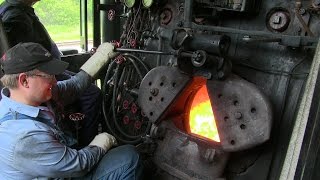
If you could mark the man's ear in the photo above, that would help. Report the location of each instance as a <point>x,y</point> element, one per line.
<point>23,80</point>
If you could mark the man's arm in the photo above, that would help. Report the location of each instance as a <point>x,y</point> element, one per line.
<point>39,154</point>
<point>66,91</point>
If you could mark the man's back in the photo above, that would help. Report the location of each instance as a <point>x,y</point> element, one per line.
<point>11,133</point>
<point>22,25</point>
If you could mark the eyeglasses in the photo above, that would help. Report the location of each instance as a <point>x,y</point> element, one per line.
<point>46,76</point>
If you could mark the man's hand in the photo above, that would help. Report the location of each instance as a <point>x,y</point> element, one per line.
<point>103,55</point>
<point>104,140</point>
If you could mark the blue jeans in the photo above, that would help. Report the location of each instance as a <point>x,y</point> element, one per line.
<point>122,162</point>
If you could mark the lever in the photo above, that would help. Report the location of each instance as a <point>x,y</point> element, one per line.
<point>144,51</point>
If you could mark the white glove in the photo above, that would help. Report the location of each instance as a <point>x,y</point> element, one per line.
<point>104,140</point>
<point>101,57</point>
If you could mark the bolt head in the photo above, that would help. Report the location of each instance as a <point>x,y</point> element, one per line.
<point>238,115</point>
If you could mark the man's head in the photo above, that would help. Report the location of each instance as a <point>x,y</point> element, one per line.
<point>30,70</point>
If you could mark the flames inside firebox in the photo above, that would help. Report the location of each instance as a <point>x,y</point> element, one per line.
<point>201,117</point>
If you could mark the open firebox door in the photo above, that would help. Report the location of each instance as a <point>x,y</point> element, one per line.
<point>202,120</point>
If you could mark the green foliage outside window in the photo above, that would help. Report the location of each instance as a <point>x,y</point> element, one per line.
<point>62,18</point>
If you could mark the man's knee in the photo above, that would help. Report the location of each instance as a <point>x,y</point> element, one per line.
<point>122,162</point>
<point>129,154</point>
<point>131,166</point>
<point>132,153</point>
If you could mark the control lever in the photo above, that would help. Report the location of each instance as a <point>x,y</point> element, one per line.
<point>198,58</point>
<point>144,51</point>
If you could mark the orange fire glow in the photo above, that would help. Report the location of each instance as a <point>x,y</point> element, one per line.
<point>201,117</point>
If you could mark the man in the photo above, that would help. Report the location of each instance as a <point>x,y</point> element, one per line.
<point>21,24</point>
<point>31,145</point>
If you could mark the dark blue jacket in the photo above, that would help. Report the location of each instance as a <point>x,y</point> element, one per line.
<point>22,25</point>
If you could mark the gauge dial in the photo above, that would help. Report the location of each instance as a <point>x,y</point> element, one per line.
<point>147,3</point>
<point>129,3</point>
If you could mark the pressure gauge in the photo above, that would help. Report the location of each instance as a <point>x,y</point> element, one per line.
<point>147,3</point>
<point>129,3</point>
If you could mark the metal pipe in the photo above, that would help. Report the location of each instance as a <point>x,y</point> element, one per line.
<point>110,21</point>
<point>188,12</point>
<point>293,152</point>
<point>285,39</point>
<point>84,24</point>
<point>96,23</point>
<point>159,49</point>
<point>144,51</point>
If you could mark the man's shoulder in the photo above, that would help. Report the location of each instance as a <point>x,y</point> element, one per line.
<point>15,129</point>
<point>10,12</point>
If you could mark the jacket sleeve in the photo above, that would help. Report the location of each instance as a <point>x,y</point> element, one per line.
<point>68,90</point>
<point>39,154</point>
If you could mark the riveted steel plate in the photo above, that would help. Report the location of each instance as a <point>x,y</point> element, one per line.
<point>243,113</point>
<point>158,90</point>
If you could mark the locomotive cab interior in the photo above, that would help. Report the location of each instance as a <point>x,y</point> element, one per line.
<point>211,89</point>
